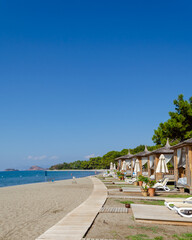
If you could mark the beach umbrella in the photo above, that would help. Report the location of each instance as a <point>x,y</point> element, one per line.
<point>111,166</point>
<point>162,166</point>
<point>124,167</point>
<point>114,166</point>
<point>137,167</point>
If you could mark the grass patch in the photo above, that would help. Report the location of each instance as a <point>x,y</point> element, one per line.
<point>138,237</point>
<point>154,202</point>
<point>178,196</point>
<point>185,236</point>
<point>153,229</point>
<point>126,202</point>
<point>143,237</point>
<point>131,227</point>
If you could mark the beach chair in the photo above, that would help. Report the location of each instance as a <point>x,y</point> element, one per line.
<point>174,202</point>
<point>185,210</point>
<point>130,180</point>
<point>162,185</point>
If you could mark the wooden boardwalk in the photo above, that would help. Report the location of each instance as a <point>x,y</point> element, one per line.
<point>113,210</point>
<point>158,215</point>
<point>140,197</point>
<point>76,223</point>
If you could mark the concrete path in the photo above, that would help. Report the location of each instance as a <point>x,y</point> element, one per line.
<point>76,223</point>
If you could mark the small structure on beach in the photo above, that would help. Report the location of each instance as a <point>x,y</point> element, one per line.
<point>125,158</point>
<point>142,157</point>
<point>183,162</point>
<point>153,159</point>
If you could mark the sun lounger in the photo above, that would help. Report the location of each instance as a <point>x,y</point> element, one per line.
<point>162,185</point>
<point>184,211</point>
<point>174,202</point>
<point>130,180</point>
<point>182,207</point>
<point>173,205</point>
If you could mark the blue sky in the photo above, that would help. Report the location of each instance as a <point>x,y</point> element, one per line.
<point>79,78</point>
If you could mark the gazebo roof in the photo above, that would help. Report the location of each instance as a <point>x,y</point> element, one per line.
<point>129,155</point>
<point>142,154</point>
<point>182,144</point>
<point>164,150</point>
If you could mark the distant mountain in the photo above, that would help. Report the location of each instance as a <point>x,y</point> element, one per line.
<point>11,169</point>
<point>36,168</point>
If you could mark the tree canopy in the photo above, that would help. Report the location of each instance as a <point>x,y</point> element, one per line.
<point>100,162</point>
<point>179,126</point>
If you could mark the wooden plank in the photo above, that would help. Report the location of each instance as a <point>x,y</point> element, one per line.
<point>165,222</point>
<point>159,214</point>
<point>175,166</point>
<point>76,223</point>
<point>190,168</point>
<point>140,165</point>
<point>113,210</point>
<point>148,167</point>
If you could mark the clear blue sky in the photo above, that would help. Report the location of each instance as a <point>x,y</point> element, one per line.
<point>79,78</point>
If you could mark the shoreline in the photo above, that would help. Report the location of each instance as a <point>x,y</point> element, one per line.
<point>42,177</point>
<point>29,210</point>
<point>80,170</point>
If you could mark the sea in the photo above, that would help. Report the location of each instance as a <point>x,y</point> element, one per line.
<point>12,178</point>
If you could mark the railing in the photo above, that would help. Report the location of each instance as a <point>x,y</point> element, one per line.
<point>171,172</point>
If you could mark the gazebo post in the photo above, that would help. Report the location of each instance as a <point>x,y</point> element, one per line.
<point>175,166</point>
<point>132,167</point>
<point>155,166</point>
<point>190,168</point>
<point>148,167</point>
<point>140,165</point>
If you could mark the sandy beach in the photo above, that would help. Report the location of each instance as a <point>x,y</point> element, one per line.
<point>29,210</point>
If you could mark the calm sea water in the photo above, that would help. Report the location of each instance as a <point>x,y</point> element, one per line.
<point>24,177</point>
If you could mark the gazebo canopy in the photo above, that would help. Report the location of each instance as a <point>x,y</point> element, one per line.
<point>182,144</point>
<point>129,155</point>
<point>142,154</point>
<point>164,150</point>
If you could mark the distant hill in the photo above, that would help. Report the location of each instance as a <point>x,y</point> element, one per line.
<point>32,168</point>
<point>11,169</point>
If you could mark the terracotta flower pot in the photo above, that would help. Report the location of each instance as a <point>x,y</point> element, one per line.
<point>121,178</point>
<point>135,183</point>
<point>140,183</point>
<point>151,192</point>
<point>144,192</point>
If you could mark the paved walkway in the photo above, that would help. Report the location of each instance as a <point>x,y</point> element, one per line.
<point>76,223</point>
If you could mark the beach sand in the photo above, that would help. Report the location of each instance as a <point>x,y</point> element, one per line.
<point>122,226</point>
<point>27,211</point>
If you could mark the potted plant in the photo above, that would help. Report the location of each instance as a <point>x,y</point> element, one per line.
<point>140,180</point>
<point>144,186</point>
<point>135,183</point>
<point>144,190</point>
<point>120,175</point>
<point>151,190</point>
